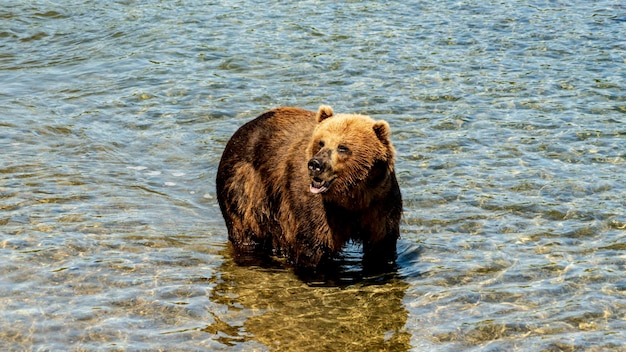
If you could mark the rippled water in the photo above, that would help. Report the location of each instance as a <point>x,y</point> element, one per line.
<point>508,117</point>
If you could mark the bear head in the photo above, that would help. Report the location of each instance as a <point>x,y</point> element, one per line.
<point>348,151</point>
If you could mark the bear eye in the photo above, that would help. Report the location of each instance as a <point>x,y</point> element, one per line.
<point>343,149</point>
<point>321,144</point>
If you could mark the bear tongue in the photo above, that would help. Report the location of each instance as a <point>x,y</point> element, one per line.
<point>318,187</point>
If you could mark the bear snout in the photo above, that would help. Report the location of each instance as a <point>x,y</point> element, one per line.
<point>316,166</point>
<point>321,175</point>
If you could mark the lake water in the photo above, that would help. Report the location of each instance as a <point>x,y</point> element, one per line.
<point>509,122</point>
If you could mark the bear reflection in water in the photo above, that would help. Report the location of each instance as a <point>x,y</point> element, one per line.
<point>300,184</point>
<point>270,309</point>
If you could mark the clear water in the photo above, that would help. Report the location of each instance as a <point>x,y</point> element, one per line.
<point>508,117</point>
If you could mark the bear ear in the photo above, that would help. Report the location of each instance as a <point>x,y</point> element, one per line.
<point>381,128</point>
<point>324,112</point>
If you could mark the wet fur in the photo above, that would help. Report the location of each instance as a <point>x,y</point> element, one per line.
<point>263,187</point>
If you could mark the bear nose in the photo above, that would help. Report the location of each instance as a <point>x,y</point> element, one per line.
<point>315,165</point>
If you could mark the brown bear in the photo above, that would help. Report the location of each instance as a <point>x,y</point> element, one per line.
<point>301,184</point>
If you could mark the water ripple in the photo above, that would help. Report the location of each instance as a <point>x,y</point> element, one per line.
<point>508,122</point>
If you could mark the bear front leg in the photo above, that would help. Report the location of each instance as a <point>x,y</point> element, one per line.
<point>379,257</point>
<point>310,250</point>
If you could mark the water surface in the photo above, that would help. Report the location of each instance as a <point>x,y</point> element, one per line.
<point>508,118</point>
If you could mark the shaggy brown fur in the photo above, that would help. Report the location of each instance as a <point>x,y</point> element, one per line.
<point>301,184</point>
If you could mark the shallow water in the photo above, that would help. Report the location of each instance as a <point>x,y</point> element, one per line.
<point>508,119</point>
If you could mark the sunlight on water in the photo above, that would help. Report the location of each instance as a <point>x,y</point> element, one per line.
<point>508,118</point>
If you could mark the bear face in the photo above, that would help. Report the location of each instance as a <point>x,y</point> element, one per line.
<point>345,151</point>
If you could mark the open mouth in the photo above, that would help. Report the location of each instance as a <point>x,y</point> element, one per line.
<point>318,185</point>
